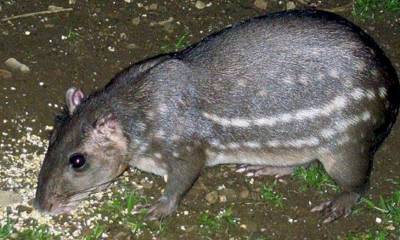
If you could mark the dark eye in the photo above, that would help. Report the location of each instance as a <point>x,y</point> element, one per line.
<point>77,161</point>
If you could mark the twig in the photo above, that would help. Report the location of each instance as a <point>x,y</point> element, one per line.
<point>37,13</point>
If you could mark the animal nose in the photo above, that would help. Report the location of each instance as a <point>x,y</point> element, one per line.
<point>42,206</point>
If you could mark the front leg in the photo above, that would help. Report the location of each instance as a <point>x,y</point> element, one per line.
<point>183,170</point>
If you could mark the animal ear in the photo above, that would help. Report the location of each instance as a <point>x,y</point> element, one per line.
<point>73,97</point>
<point>107,124</point>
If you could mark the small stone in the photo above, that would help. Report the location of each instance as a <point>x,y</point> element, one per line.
<point>391,228</point>
<point>290,5</point>
<point>14,64</point>
<point>200,5</point>
<point>9,198</point>
<point>244,193</point>
<point>212,197</point>
<point>131,46</point>
<point>135,21</point>
<point>4,74</point>
<point>223,198</point>
<point>146,184</point>
<point>153,6</point>
<point>229,194</point>
<point>261,4</point>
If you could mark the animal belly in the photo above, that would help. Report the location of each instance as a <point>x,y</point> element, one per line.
<point>277,158</point>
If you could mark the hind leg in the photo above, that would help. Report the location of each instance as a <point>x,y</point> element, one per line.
<point>350,169</point>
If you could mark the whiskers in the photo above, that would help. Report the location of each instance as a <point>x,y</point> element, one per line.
<point>76,196</point>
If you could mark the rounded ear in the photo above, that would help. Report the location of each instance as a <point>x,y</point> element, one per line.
<point>73,97</point>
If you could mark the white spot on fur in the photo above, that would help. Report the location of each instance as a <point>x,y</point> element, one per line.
<point>262,93</point>
<point>365,116</point>
<point>299,143</point>
<point>333,73</point>
<point>304,79</point>
<point>175,137</point>
<point>159,134</point>
<point>141,126</point>
<point>175,154</point>
<point>328,133</point>
<point>252,144</point>
<point>287,79</point>
<point>163,108</point>
<point>357,94</point>
<point>343,125</point>
<point>361,66</point>
<point>242,83</point>
<point>233,145</point>
<point>375,73</point>
<point>143,147</point>
<point>240,122</point>
<point>382,92</point>
<point>273,143</point>
<point>343,140</point>
<point>370,94</point>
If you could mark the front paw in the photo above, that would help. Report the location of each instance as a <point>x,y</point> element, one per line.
<point>164,207</point>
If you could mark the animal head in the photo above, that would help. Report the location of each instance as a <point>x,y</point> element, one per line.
<point>87,150</point>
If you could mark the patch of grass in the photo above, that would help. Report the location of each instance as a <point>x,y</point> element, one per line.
<point>373,9</point>
<point>179,44</point>
<point>379,235</point>
<point>314,177</point>
<point>6,229</point>
<point>214,223</point>
<point>96,233</point>
<point>389,207</point>
<point>37,233</point>
<point>271,196</point>
<point>72,35</point>
<point>120,210</point>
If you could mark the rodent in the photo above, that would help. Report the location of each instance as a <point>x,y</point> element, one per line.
<point>273,92</point>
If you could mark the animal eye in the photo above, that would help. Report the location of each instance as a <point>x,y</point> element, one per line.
<point>77,161</point>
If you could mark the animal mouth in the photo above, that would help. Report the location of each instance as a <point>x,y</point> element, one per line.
<point>67,202</point>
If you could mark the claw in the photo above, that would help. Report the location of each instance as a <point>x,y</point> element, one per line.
<point>337,208</point>
<point>139,208</point>
<point>164,207</point>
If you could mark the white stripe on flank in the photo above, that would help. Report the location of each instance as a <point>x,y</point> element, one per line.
<point>337,104</point>
<point>342,126</point>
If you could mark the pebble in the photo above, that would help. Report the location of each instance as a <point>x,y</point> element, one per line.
<point>135,21</point>
<point>131,46</point>
<point>146,184</point>
<point>4,74</point>
<point>9,198</point>
<point>290,5</point>
<point>200,5</point>
<point>261,4</point>
<point>244,193</point>
<point>153,6</point>
<point>212,197</point>
<point>14,64</point>
<point>228,193</point>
